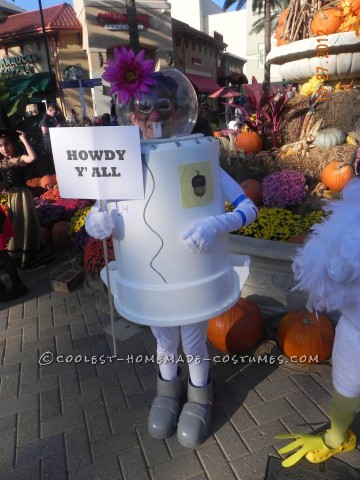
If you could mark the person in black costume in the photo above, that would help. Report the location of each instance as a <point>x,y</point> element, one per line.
<point>28,248</point>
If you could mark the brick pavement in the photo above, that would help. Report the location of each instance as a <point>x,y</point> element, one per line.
<point>82,421</point>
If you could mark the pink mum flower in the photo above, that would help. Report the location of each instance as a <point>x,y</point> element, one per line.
<point>129,74</point>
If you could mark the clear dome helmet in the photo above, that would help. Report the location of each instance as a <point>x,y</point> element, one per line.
<point>169,110</point>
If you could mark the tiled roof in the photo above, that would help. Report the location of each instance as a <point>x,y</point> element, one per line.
<point>10,7</point>
<point>59,17</point>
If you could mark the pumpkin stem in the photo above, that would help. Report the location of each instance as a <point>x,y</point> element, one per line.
<point>308,321</point>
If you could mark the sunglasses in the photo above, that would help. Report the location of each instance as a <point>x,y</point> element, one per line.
<point>162,105</point>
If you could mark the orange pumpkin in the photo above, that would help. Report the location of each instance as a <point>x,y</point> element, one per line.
<point>296,239</point>
<point>249,142</point>
<point>238,329</point>
<point>306,337</point>
<point>328,20</point>
<point>60,235</point>
<point>46,234</point>
<point>48,181</point>
<point>355,6</point>
<point>253,189</point>
<point>282,17</point>
<point>336,175</point>
<point>280,39</point>
<point>217,134</point>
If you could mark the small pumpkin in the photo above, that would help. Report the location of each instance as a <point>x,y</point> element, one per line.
<point>329,137</point>
<point>336,175</point>
<point>306,336</point>
<point>299,239</point>
<point>282,17</point>
<point>328,19</point>
<point>253,190</point>
<point>280,39</point>
<point>238,329</point>
<point>249,142</point>
<point>60,235</point>
<point>217,134</point>
<point>48,181</point>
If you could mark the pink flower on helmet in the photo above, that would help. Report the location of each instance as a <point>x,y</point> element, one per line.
<point>129,75</point>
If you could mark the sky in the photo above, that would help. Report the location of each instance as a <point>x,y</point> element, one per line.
<point>34,4</point>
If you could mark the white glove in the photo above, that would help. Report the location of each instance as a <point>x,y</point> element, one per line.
<point>201,236</point>
<point>99,224</point>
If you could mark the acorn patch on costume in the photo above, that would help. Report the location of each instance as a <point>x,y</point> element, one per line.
<point>199,184</point>
<point>196,184</point>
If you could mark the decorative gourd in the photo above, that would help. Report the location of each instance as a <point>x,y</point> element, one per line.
<point>336,175</point>
<point>328,19</point>
<point>238,329</point>
<point>249,142</point>
<point>329,137</point>
<point>48,181</point>
<point>60,235</point>
<point>253,189</point>
<point>282,17</point>
<point>306,337</point>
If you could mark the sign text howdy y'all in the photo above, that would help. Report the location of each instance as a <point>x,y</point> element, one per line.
<point>96,155</point>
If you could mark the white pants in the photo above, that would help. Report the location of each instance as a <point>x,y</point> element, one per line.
<point>346,359</point>
<point>193,338</point>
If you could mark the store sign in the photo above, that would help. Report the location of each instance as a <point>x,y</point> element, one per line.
<point>197,61</point>
<point>119,21</point>
<point>106,18</point>
<point>120,26</point>
<point>18,64</point>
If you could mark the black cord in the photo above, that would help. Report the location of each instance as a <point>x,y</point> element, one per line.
<point>146,223</point>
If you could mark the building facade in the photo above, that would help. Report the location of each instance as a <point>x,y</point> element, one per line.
<point>33,63</point>
<point>105,27</point>
<point>234,27</point>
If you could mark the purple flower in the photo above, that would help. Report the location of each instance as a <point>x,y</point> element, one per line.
<point>129,74</point>
<point>49,213</point>
<point>283,188</point>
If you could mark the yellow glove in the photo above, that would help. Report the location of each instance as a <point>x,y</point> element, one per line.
<point>306,441</point>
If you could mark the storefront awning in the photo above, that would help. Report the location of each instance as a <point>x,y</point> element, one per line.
<point>203,84</point>
<point>28,84</point>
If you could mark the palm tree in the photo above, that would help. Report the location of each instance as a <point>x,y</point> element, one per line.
<point>257,7</point>
<point>133,27</point>
<point>259,25</point>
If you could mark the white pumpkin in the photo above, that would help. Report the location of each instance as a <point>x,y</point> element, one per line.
<point>329,137</point>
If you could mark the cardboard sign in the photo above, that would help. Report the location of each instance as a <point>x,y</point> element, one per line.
<point>101,163</point>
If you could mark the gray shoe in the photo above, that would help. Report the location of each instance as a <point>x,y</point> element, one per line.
<point>195,419</point>
<point>165,408</point>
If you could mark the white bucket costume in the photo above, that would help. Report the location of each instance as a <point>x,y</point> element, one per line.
<point>328,269</point>
<point>173,268</point>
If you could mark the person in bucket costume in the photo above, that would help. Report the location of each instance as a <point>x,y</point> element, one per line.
<point>154,111</point>
<point>328,269</point>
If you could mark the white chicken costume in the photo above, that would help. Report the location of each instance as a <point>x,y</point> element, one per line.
<point>328,269</point>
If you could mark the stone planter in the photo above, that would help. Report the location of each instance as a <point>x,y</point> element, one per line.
<point>297,61</point>
<point>271,279</point>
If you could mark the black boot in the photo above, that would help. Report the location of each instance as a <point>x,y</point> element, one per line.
<point>18,288</point>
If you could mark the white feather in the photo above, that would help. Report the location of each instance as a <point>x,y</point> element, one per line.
<point>328,265</point>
